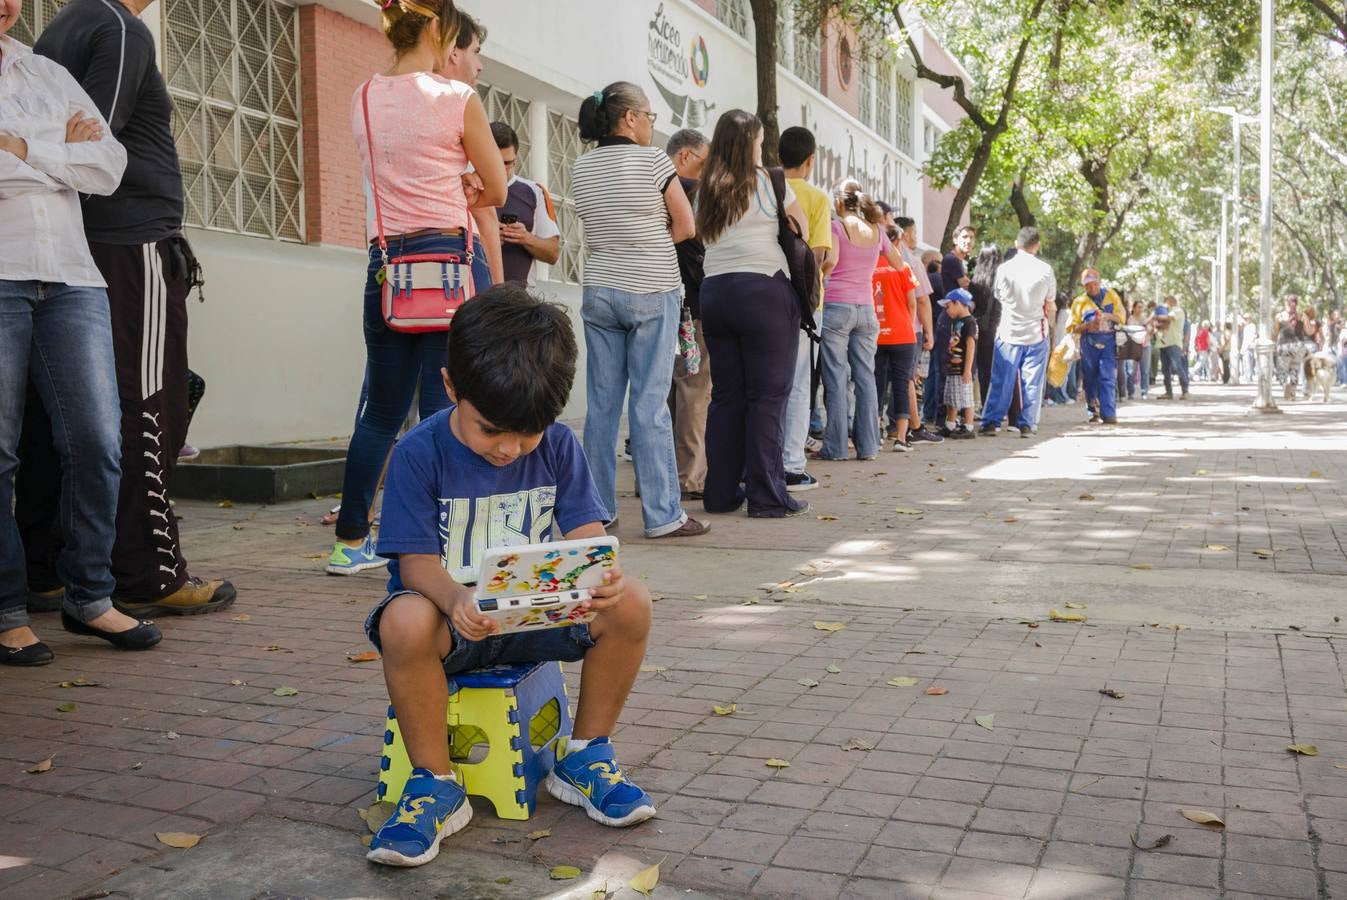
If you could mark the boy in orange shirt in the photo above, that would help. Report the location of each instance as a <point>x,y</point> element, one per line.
<point>896,353</point>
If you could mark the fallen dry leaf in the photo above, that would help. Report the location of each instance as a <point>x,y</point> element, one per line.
<point>777,764</point>
<point>936,691</point>
<point>902,681</point>
<point>1162,841</point>
<point>367,656</point>
<point>698,596</point>
<point>1217,548</point>
<point>226,504</point>
<point>1304,749</point>
<point>66,707</point>
<point>644,881</point>
<point>563,873</point>
<point>236,682</point>
<point>539,834</point>
<point>1071,604</point>
<point>856,743</point>
<point>1087,496</point>
<point>725,710</point>
<point>600,893</point>
<point>1112,692</point>
<point>180,839</point>
<point>832,668</point>
<point>1315,473</point>
<point>1264,553</point>
<point>654,668</point>
<point>986,721</point>
<point>829,626</point>
<point>1058,616</point>
<point>285,691</point>
<point>909,511</point>
<point>274,647</point>
<point>808,682</point>
<point>243,618</point>
<point>376,815</point>
<point>1011,520</point>
<point>1202,817</point>
<point>504,879</point>
<point>79,682</point>
<point>1145,567</point>
<point>366,840</point>
<point>44,766</point>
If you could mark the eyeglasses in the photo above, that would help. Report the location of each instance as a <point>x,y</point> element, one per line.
<point>653,117</point>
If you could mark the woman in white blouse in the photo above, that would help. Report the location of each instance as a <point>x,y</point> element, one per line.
<point>55,330</point>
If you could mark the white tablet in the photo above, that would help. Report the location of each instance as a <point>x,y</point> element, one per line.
<point>536,586</point>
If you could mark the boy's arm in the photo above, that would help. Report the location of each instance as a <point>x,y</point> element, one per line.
<point>610,593</point>
<point>425,574</point>
<point>927,328</point>
<point>968,357</point>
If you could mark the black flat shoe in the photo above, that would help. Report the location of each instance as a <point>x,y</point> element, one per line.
<point>142,637</point>
<point>38,654</point>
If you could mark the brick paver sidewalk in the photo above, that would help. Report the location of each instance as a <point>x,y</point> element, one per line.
<point>1022,780</point>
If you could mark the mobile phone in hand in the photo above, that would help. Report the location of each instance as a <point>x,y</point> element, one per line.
<point>508,219</point>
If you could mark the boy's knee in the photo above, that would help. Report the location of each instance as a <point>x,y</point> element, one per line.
<point>409,624</point>
<point>636,609</point>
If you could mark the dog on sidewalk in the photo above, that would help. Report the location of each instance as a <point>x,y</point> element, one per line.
<point>1322,369</point>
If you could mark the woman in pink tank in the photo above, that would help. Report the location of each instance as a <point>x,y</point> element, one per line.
<point>426,130</point>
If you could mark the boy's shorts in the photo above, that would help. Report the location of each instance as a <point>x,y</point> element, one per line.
<point>567,644</point>
<point>958,396</point>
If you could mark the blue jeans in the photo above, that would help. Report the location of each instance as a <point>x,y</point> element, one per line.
<point>1144,371</point>
<point>850,335</point>
<point>796,423</point>
<point>1031,362</point>
<point>1172,363</point>
<point>395,362</point>
<point>629,338</point>
<point>1099,358</point>
<point>61,338</point>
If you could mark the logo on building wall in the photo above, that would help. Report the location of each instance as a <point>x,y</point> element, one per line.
<point>677,72</point>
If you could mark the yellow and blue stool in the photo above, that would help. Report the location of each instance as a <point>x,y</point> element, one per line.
<point>503,722</point>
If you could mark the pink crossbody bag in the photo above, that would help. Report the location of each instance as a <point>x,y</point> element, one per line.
<point>420,291</point>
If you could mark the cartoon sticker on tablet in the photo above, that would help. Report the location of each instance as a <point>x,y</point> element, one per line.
<point>537,586</point>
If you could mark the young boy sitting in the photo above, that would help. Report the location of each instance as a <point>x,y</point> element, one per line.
<point>496,469</point>
<point>959,352</point>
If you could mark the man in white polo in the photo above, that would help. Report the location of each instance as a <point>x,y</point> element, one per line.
<point>1027,289</point>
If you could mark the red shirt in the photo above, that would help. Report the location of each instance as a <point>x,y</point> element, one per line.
<point>891,287</point>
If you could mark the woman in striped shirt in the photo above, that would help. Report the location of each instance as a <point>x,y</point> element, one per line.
<point>634,211</point>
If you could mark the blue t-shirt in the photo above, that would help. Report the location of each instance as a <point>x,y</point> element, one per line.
<point>442,498</point>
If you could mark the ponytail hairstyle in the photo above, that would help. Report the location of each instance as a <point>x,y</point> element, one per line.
<point>852,199</point>
<point>404,20</point>
<point>730,176</point>
<point>601,111</point>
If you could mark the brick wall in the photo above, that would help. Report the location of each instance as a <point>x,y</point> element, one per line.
<point>336,55</point>
<point>846,95</point>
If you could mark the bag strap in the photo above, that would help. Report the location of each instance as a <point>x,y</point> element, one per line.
<point>373,182</point>
<point>778,176</point>
<point>374,188</point>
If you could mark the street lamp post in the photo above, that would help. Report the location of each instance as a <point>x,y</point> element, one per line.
<point>1236,294</point>
<point>1265,402</point>
<point>1219,282</point>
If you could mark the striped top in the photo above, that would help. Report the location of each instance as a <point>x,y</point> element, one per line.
<point>619,193</point>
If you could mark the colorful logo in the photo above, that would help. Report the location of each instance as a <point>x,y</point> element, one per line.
<point>701,61</point>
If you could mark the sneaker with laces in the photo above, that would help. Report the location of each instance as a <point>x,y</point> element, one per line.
<point>348,560</point>
<point>902,447</point>
<point>812,444</point>
<point>591,779</point>
<point>194,598</point>
<point>798,482</point>
<point>430,810</point>
<point>924,434</point>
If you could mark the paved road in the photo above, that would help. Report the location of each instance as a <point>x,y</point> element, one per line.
<point>936,564</point>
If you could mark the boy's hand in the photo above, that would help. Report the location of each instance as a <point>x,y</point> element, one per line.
<point>608,594</point>
<point>468,622</point>
<point>967,379</point>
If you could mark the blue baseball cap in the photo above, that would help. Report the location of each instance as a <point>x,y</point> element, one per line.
<point>1162,310</point>
<point>1090,315</point>
<point>958,295</point>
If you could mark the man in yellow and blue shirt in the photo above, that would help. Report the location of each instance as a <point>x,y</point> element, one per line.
<point>1096,316</point>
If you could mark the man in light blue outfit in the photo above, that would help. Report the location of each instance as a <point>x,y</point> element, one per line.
<point>1027,289</point>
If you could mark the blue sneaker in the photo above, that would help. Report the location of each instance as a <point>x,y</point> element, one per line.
<point>347,560</point>
<point>590,778</point>
<point>431,809</point>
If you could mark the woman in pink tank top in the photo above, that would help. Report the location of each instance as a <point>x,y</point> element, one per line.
<point>425,131</point>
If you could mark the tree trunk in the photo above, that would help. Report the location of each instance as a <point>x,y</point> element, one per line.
<point>1020,203</point>
<point>971,176</point>
<point>764,33</point>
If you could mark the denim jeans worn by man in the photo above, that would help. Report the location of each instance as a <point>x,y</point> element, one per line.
<point>1027,289</point>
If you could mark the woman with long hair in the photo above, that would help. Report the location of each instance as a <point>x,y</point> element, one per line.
<point>634,211</point>
<point>752,322</point>
<point>425,130</point>
<point>850,326</point>
<point>988,311</point>
<point>55,331</point>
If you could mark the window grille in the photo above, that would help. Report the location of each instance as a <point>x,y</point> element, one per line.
<point>735,14</point>
<point>33,17</point>
<point>904,108</point>
<point>784,48</point>
<point>232,68</point>
<point>563,149</point>
<point>867,87</point>
<point>883,124</point>
<point>809,55</point>
<point>502,106</point>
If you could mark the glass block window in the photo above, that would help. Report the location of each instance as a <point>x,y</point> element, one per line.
<point>736,15</point>
<point>784,49</point>
<point>903,105</point>
<point>808,62</point>
<point>232,68</point>
<point>33,17</point>
<point>883,123</point>
<point>563,149</point>
<point>867,87</point>
<point>502,106</point>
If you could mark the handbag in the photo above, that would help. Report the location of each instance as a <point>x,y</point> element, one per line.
<point>420,292</point>
<point>800,259</point>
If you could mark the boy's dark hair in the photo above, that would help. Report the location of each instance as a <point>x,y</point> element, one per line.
<point>505,135</point>
<point>469,28</point>
<point>512,356</point>
<point>795,146</point>
<point>903,222</point>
